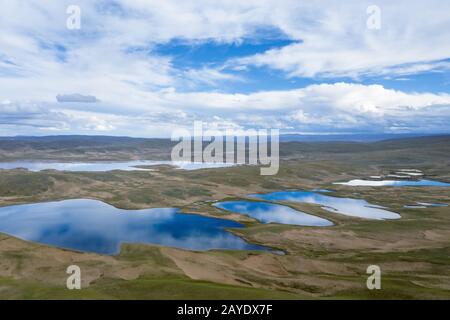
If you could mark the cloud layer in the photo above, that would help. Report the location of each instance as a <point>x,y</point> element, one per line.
<point>76,97</point>
<point>113,62</point>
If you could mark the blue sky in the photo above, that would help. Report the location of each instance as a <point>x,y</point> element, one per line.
<point>146,68</point>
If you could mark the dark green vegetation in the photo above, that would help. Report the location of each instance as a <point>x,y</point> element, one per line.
<point>83,148</point>
<point>142,288</point>
<point>22,184</point>
<point>413,252</point>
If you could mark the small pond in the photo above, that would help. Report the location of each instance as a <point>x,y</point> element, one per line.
<point>346,206</point>
<point>269,212</point>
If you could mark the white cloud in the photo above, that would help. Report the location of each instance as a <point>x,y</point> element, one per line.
<point>335,40</point>
<point>357,98</point>
<point>208,76</point>
<point>76,97</point>
<point>325,107</point>
<point>113,58</point>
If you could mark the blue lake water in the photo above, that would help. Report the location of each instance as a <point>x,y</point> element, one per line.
<point>107,166</point>
<point>420,205</point>
<point>432,204</point>
<point>394,183</point>
<point>268,212</point>
<point>413,206</point>
<point>346,206</point>
<point>322,190</point>
<point>94,226</point>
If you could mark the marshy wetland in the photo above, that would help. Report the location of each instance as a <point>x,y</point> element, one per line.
<point>319,261</point>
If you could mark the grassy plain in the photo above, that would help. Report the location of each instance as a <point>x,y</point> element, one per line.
<point>413,252</point>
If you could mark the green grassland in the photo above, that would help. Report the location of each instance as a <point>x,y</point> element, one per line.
<point>142,288</point>
<point>320,263</point>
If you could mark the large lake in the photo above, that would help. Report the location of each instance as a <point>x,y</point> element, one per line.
<point>94,226</point>
<point>269,212</point>
<point>107,166</point>
<point>346,206</point>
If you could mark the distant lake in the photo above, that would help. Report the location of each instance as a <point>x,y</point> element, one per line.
<point>322,190</point>
<point>94,226</point>
<point>394,183</point>
<point>432,204</point>
<point>346,206</point>
<point>268,212</point>
<point>423,205</point>
<point>107,165</point>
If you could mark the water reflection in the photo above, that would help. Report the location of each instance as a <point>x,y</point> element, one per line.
<point>94,226</point>
<point>107,166</point>
<point>427,204</point>
<point>346,206</point>
<point>268,212</point>
<point>322,190</point>
<point>394,183</point>
<point>424,205</point>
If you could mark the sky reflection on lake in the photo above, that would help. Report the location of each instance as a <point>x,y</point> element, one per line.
<point>94,226</point>
<point>394,183</point>
<point>346,206</point>
<point>268,212</point>
<point>107,166</point>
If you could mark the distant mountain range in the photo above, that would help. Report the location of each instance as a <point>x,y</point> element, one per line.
<point>283,138</point>
<point>77,147</point>
<point>348,137</point>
